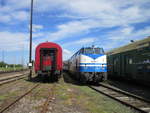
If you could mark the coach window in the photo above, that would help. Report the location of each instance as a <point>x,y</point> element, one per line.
<point>130,61</point>
<point>115,61</point>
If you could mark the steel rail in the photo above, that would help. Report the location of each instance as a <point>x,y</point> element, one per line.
<point>11,79</point>
<point>19,98</point>
<point>49,99</point>
<point>126,93</point>
<point>125,98</point>
<point>8,78</point>
<point>3,72</point>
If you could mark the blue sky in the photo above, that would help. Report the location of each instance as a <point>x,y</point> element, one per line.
<point>72,24</point>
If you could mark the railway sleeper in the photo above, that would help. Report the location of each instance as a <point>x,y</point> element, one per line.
<point>106,92</point>
<point>130,100</point>
<point>138,104</point>
<point>147,109</point>
<point>124,98</point>
<point>113,94</point>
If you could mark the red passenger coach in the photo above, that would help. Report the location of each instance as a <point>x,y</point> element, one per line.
<point>48,59</point>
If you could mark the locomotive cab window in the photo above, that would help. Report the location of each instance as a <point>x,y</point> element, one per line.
<point>93,51</point>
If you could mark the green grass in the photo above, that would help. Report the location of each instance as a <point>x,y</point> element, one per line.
<point>10,68</point>
<point>2,97</point>
<point>73,96</point>
<point>97,103</point>
<point>88,99</point>
<point>8,95</point>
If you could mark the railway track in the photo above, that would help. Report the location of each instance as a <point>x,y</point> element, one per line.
<point>4,80</point>
<point>130,100</point>
<point>3,72</point>
<point>19,98</point>
<point>49,99</point>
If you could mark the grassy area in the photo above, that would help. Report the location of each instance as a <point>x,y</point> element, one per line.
<point>85,98</point>
<point>70,97</point>
<point>10,68</point>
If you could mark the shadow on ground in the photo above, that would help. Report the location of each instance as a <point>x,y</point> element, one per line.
<point>42,79</point>
<point>68,78</point>
<point>127,86</point>
<point>131,87</point>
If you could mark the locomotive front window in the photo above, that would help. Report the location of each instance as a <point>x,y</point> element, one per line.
<point>99,51</point>
<point>93,51</point>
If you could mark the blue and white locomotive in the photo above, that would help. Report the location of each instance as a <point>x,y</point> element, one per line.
<point>88,65</point>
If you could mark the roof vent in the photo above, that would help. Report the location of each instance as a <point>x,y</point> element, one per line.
<point>131,41</point>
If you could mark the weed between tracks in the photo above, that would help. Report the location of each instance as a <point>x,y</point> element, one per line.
<point>74,94</point>
<point>69,97</point>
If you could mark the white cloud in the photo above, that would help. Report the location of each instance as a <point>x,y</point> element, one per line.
<point>5,18</point>
<point>123,36</point>
<point>108,13</point>
<point>14,17</point>
<point>90,14</point>
<point>78,43</point>
<point>94,14</point>
<point>17,4</point>
<point>37,27</point>
<point>20,15</point>
<point>66,54</point>
<point>13,41</point>
<point>105,11</point>
<point>70,29</point>
<point>65,51</point>
<point>36,35</point>
<point>71,16</point>
<point>81,42</point>
<point>127,30</point>
<point>139,34</point>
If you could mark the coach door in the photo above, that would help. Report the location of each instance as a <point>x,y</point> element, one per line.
<point>53,54</point>
<point>116,66</point>
<point>128,65</point>
<point>48,59</point>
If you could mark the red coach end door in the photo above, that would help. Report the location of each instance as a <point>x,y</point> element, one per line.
<point>48,59</point>
<point>47,63</point>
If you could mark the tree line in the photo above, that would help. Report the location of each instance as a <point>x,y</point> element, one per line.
<point>3,64</point>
